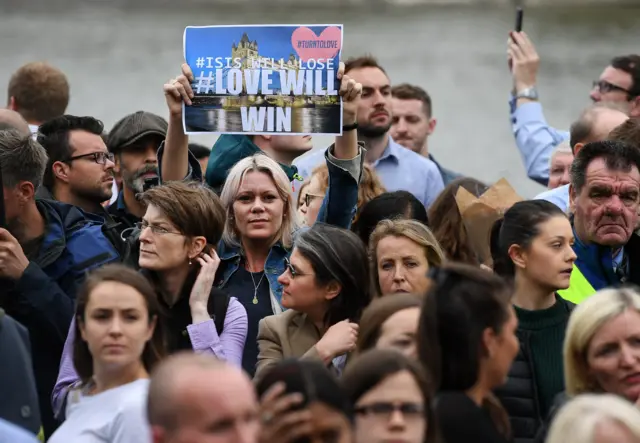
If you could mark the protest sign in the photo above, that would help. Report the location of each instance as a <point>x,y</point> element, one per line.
<point>277,79</point>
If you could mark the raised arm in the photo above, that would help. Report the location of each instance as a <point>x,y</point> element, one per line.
<point>176,146</point>
<point>344,161</point>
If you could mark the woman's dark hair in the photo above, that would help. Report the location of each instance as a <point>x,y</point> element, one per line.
<point>390,205</point>
<point>378,312</point>
<point>338,255</point>
<point>519,226</point>
<point>446,222</point>
<point>154,349</point>
<point>461,303</point>
<point>311,379</point>
<point>372,367</point>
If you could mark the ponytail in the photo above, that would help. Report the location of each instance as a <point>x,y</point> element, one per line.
<point>502,264</point>
<point>498,415</point>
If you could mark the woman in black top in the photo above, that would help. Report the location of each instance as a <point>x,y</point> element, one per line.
<point>467,342</point>
<point>532,245</point>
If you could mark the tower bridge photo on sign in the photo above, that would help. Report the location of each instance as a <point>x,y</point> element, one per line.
<point>264,79</point>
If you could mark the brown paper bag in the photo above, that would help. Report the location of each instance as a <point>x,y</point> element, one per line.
<point>480,213</point>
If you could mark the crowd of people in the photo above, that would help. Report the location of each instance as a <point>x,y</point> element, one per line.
<point>156,290</point>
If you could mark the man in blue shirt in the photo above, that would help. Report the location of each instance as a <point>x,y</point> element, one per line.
<point>413,123</point>
<point>595,124</point>
<point>398,168</point>
<point>536,140</point>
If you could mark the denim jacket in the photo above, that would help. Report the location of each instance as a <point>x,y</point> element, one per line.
<point>338,209</point>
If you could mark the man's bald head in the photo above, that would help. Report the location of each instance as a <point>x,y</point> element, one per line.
<point>595,123</point>
<point>12,120</point>
<point>183,388</point>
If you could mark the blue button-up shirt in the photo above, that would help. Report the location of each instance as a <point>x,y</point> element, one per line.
<point>535,139</point>
<point>399,169</point>
<point>558,196</point>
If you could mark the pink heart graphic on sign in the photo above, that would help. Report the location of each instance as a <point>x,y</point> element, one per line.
<point>310,46</point>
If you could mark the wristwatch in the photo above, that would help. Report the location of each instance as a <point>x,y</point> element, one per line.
<point>529,93</point>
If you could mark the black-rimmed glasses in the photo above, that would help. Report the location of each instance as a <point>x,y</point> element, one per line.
<point>294,272</point>
<point>100,157</point>
<point>386,409</point>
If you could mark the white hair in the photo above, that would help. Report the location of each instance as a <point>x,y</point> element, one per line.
<point>579,419</point>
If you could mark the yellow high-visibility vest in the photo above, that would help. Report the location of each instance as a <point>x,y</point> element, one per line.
<point>579,287</point>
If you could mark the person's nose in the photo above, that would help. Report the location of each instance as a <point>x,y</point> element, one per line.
<point>614,206</point>
<point>257,205</point>
<point>398,273</point>
<point>109,165</point>
<point>283,278</point>
<point>628,356</point>
<point>145,234</point>
<point>115,327</point>
<point>151,155</point>
<point>595,94</point>
<point>566,179</point>
<point>401,126</point>
<point>396,420</point>
<point>571,255</point>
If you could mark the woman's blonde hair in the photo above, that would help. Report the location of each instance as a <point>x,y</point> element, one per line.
<point>411,229</point>
<point>578,420</point>
<point>369,188</point>
<point>259,163</point>
<point>585,321</point>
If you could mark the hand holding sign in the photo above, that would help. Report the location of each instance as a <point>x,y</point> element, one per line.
<point>178,90</point>
<point>350,91</point>
<point>13,262</point>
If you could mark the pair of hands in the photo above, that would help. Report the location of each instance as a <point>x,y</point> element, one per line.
<point>178,90</point>
<point>523,61</point>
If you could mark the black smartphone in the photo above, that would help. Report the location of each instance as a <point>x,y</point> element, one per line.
<point>3,217</point>
<point>519,17</point>
<point>150,183</point>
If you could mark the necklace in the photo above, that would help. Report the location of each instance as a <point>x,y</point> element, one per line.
<point>255,287</point>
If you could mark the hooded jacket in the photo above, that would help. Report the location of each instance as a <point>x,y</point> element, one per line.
<point>229,150</point>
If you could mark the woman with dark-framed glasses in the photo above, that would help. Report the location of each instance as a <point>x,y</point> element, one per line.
<point>391,397</point>
<point>182,224</point>
<point>325,288</point>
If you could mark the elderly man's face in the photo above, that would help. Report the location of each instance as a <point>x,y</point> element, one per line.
<point>606,209</point>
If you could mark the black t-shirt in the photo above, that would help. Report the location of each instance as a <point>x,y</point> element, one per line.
<point>242,287</point>
<point>461,420</point>
<point>31,248</point>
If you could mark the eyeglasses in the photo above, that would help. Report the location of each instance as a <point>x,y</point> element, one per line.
<point>604,86</point>
<point>308,198</point>
<point>288,266</point>
<point>155,229</point>
<point>98,157</point>
<point>385,410</point>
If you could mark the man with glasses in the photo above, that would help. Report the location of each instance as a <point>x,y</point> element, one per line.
<point>80,171</point>
<point>536,140</point>
<point>80,168</point>
<point>46,249</point>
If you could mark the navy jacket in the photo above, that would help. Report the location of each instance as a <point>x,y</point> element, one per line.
<point>43,298</point>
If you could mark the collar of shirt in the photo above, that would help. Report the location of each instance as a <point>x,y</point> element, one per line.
<point>390,153</point>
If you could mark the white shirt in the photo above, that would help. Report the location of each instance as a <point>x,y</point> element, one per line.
<point>114,416</point>
<point>34,131</point>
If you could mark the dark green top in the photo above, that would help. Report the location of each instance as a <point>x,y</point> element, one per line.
<point>546,328</point>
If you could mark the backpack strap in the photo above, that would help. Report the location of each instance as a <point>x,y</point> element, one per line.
<point>217,307</point>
